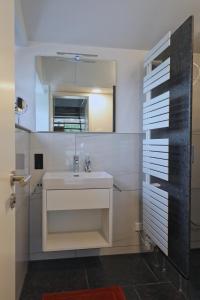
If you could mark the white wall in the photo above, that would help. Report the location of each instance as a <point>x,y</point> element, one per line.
<point>118,154</point>
<point>100,113</point>
<point>129,80</point>
<point>42,100</point>
<point>22,147</point>
<point>195,203</point>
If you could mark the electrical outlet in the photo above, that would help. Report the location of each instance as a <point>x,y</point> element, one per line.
<point>138,226</point>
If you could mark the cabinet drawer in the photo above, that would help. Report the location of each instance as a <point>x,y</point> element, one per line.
<point>77,199</point>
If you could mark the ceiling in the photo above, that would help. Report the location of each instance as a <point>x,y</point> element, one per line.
<point>131,24</point>
<point>63,74</point>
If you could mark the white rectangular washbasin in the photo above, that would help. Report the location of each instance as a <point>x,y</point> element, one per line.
<point>81,180</point>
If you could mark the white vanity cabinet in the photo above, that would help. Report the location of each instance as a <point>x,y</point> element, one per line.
<point>77,218</point>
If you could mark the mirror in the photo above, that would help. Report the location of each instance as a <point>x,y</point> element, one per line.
<point>75,94</point>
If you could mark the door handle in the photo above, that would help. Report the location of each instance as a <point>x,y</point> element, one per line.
<point>22,180</point>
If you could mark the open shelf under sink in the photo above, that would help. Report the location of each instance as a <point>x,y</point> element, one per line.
<point>75,240</point>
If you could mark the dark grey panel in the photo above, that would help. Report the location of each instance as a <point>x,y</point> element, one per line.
<point>179,134</point>
<point>180,145</point>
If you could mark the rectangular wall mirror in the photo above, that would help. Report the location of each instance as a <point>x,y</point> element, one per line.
<point>75,95</point>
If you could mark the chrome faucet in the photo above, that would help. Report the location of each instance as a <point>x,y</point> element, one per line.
<point>76,164</point>
<point>87,166</point>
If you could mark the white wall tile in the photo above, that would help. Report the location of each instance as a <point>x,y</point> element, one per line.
<point>118,154</point>
<point>126,212</point>
<point>57,150</point>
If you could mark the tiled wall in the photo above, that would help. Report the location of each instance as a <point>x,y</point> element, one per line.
<point>22,147</point>
<point>118,154</point>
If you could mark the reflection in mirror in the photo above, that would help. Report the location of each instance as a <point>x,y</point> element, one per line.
<point>21,107</point>
<point>70,113</point>
<point>75,96</point>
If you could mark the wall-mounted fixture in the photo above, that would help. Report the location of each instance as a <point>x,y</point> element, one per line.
<point>69,205</point>
<point>76,54</point>
<point>78,57</point>
<point>38,160</point>
<point>167,147</point>
<point>20,107</point>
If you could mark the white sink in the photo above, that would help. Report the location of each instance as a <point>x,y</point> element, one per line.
<point>82,180</point>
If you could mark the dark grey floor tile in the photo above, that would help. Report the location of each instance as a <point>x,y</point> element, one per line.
<point>73,274</point>
<point>53,276</point>
<point>57,280</point>
<point>165,271</point>
<point>154,261</point>
<point>124,270</point>
<point>195,293</point>
<point>32,294</point>
<point>130,293</point>
<point>159,291</point>
<point>56,264</point>
<point>195,274</point>
<point>195,257</point>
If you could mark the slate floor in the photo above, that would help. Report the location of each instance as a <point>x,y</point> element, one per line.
<point>129,271</point>
<point>195,274</point>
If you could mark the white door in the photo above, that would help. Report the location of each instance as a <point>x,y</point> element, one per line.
<point>7,150</point>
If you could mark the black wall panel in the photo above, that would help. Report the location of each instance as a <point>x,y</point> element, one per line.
<point>179,134</point>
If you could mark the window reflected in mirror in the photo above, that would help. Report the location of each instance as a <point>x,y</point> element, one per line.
<point>70,114</point>
<point>75,96</point>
